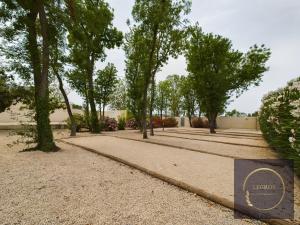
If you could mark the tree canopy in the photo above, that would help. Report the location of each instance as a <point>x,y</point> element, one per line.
<point>218,71</point>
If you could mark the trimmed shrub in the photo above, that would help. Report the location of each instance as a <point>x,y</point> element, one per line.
<point>279,119</point>
<point>79,120</point>
<point>132,123</point>
<point>108,124</point>
<point>121,123</point>
<point>198,122</point>
<point>157,122</point>
<point>170,122</point>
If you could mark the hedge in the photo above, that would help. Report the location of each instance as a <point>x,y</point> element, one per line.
<point>279,120</point>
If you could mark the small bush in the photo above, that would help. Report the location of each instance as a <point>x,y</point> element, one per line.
<point>132,123</point>
<point>121,123</point>
<point>170,122</point>
<point>279,119</point>
<point>157,122</point>
<point>198,122</point>
<point>79,120</point>
<point>108,124</point>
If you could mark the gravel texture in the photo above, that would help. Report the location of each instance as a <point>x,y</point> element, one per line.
<point>73,186</point>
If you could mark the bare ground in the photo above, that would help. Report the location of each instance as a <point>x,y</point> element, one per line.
<point>73,186</point>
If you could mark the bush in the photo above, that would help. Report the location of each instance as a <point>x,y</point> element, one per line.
<point>108,124</point>
<point>157,122</point>
<point>170,122</point>
<point>121,123</point>
<point>132,123</point>
<point>279,119</point>
<point>79,120</point>
<point>198,122</point>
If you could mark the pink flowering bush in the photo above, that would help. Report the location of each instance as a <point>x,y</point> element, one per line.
<point>108,124</point>
<point>132,123</point>
<point>279,120</point>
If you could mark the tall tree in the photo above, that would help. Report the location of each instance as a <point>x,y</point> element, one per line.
<point>160,26</point>
<point>105,86</point>
<point>134,73</point>
<point>174,83</point>
<point>90,33</point>
<point>162,98</point>
<point>218,71</point>
<point>189,98</point>
<point>20,22</point>
<point>58,55</point>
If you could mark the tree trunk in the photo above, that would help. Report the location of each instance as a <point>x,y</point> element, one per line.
<point>87,112</point>
<point>100,111</point>
<point>103,112</point>
<point>71,117</point>
<point>94,118</point>
<point>144,113</point>
<point>44,132</point>
<point>190,120</point>
<point>151,105</point>
<point>212,122</point>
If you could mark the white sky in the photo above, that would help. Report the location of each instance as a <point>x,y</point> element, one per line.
<point>274,23</point>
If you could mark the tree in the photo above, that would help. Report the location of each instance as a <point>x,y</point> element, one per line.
<point>159,25</point>
<point>235,113</point>
<point>58,57</point>
<point>162,97</point>
<point>174,83</point>
<point>218,71</point>
<point>189,98</point>
<point>90,33</point>
<point>118,100</point>
<point>134,73</point>
<point>5,93</point>
<point>20,22</point>
<point>105,86</point>
<point>77,80</point>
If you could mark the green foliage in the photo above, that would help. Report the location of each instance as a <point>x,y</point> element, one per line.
<point>27,35</point>
<point>105,85</point>
<point>27,134</point>
<point>157,34</point>
<point>173,83</point>
<point>79,120</point>
<point>235,113</point>
<point>134,73</point>
<point>279,119</point>
<point>91,32</point>
<point>218,71</point>
<point>5,93</point>
<point>189,98</point>
<point>75,106</point>
<point>121,123</point>
<point>162,97</point>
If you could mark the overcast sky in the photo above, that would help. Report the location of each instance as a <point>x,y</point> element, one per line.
<point>275,23</point>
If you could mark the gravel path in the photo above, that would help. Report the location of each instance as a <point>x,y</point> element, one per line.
<point>182,140</point>
<point>73,186</point>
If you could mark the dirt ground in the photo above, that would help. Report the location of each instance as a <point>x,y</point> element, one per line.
<point>73,186</point>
